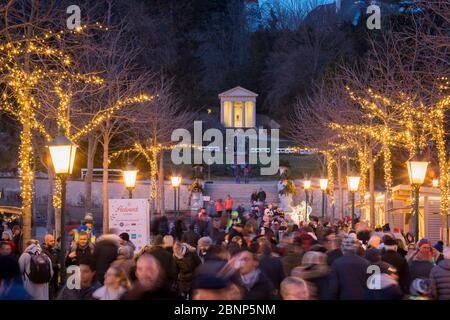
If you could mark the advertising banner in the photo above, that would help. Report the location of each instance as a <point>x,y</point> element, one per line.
<point>131,216</point>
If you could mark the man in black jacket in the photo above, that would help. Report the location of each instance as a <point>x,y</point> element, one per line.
<point>390,255</point>
<point>88,284</point>
<point>270,265</point>
<point>49,249</point>
<point>261,195</point>
<point>80,250</point>
<point>348,273</point>
<point>256,285</point>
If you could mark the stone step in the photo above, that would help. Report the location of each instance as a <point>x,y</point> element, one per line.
<point>241,192</point>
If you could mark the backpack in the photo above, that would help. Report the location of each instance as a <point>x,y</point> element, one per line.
<point>40,268</point>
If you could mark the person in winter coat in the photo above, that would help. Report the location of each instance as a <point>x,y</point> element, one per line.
<point>293,257</point>
<point>269,264</point>
<point>11,284</point>
<point>247,275</point>
<point>229,204</point>
<point>347,279</point>
<point>116,284</point>
<point>203,246</point>
<point>203,225</point>
<point>217,233</point>
<point>186,261</point>
<point>440,277</point>
<point>215,260</point>
<point>382,286</point>
<point>125,260</point>
<point>105,253</point>
<point>254,197</point>
<point>7,236</point>
<point>165,260</point>
<point>163,227</point>
<point>49,249</point>
<point>80,250</point>
<point>39,291</point>
<point>17,238</point>
<point>190,237</point>
<point>386,287</point>
<point>178,229</point>
<point>422,262</point>
<point>150,283</point>
<point>88,284</point>
<point>314,270</point>
<point>262,195</point>
<point>125,240</point>
<point>219,207</point>
<point>390,255</point>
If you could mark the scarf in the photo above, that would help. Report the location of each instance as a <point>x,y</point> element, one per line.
<point>249,279</point>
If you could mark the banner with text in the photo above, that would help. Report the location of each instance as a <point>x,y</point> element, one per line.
<point>131,216</point>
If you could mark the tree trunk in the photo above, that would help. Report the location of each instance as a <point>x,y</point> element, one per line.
<point>153,183</point>
<point>105,184</point>
<point>162,208</point>
<point>26,173</point>
<point>92,147</point>
<point>372,189</point>
<point>341,191</point>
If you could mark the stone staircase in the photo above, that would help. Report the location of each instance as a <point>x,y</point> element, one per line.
<point>241,192</point>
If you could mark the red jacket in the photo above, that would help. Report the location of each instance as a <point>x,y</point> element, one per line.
<point>229,203</point>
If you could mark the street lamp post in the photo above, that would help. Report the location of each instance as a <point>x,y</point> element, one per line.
<point>323,186</point>
<point>417,170</point>
<point>353,184</point>
<point>62,152</point>
<point>307,187</point>
<point>176,182</point>
<point>129,178</point>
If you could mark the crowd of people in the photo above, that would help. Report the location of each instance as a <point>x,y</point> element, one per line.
<point>256,254</point>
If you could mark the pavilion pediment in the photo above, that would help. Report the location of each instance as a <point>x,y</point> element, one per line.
<point>238,92</point>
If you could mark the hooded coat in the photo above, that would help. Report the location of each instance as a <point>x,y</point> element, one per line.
<point>186,262</point>
<point>39,291</point>
<point>440,280</point>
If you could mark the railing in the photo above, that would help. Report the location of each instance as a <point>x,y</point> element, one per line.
<point>98,172</point>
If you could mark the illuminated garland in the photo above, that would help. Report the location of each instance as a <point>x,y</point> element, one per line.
<point>330,162</point>
<point>57,193</point>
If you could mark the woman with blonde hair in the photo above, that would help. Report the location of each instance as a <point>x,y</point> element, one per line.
<point>116,284</point>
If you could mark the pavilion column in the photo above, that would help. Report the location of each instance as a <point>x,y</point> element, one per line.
<point>232,114</point>
<point>254,113</point>
<point>221,111</point>
<point>243,113</point>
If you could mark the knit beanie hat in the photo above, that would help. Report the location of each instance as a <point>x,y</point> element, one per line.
<point>422,242</point>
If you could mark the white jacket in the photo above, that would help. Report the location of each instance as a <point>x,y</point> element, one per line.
<point>39,291</point>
